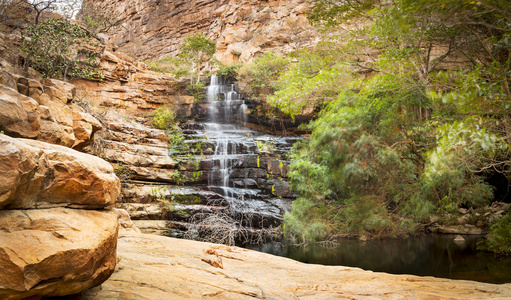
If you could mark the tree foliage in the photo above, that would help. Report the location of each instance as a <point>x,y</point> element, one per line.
<point>197,50</point>
<point>499,237</point>
<point>417,113</point>
<point>315,78</point>
<point>259,77</point>
<point>58,48</point>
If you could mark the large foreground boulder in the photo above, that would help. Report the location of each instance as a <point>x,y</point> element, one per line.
<point>40,175</point>
<point>58,234</point>
<point>55,252</point>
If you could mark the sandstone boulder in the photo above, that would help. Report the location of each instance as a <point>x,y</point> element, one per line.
<point>158,227</point>
<point>144,211</point>
<point>125,221</point>
<point>47,119</point>
<point>15,119</point>
<point>7,80</point>
<point>60,112</point>
<point>55,252</point>
<point>56,133</point>
<point>84,127</point>
<point>38,175</point>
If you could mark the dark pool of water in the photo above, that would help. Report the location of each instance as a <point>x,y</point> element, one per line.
<point>432,255</point>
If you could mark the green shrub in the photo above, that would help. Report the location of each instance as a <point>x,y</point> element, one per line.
<point>259,77</point>
<point>162,118</point>
<point>313,230</point>
<point>171,65</point>
<point>499,236</point>
<point>230,71</point>
<point>58,48</point>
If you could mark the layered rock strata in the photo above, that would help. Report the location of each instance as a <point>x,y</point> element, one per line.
<point>129,88</point>
<point>42,109</point>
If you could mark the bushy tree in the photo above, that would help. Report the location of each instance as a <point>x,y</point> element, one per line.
<point>258,79</point>
<point>197,50</point>
<point>58,48</point>
<point>317,77</point>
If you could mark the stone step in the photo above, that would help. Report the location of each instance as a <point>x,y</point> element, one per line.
<point>147,193</point>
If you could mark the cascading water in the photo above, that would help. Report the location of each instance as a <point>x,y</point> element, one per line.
<point>225,109</point>
<point>225,97</point>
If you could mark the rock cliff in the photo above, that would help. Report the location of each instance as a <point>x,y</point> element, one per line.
<point>153,29</point>
<point>58,228</point>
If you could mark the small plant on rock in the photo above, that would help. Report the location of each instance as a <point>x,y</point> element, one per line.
<point>163,118</point>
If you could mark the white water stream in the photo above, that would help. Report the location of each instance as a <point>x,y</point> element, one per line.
<point>226,115</point>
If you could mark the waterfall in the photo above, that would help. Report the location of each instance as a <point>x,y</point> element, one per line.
<point>226,110</point>
<point>213,89</point>
<point>242,172</point>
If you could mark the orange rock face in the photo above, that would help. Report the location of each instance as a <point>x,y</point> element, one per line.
<point>15,118</point>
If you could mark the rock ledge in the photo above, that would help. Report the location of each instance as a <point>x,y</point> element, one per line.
<point>156,267</point>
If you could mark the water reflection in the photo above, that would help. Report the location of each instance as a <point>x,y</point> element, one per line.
<point>433,255</point>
